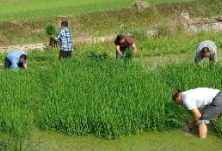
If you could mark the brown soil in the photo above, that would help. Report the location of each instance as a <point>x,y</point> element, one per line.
<point>140,6</point>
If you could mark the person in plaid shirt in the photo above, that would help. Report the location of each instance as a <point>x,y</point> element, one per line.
<point>65,37</point>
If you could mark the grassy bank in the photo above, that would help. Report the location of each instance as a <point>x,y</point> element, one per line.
<point>105,23</point>
<point>20,10</point>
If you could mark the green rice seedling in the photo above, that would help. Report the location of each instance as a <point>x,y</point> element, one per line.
<point>96,55</point>
<point>98,102</point>
<point>51,30</point>
<point>128,55</point>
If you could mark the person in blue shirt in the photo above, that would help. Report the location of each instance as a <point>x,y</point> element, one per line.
<point>16,59</point>
<point>65,37</point>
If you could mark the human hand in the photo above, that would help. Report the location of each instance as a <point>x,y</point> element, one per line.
<point>190,124</point>
<point>215,120</point>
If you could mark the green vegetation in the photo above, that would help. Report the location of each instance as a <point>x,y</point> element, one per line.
<point>96,55</point>
<point>50,30</point>
<point>97,24</point>
<point>103,98</point>
<point>92,93</point>
<point>128,55</point>
<point>19,10</point>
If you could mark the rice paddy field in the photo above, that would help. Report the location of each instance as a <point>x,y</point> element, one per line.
<point>106,98</point>
<point>97,103</point>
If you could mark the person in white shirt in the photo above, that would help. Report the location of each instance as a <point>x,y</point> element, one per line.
<point>207,99</point>
<point>206,49</point>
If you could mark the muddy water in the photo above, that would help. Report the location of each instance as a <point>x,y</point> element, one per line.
<point>176,140</point>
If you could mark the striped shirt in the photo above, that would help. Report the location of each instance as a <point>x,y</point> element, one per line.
<point>65,38</point>
<point>212,47</point>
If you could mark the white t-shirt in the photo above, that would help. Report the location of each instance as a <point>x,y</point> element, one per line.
<point>199,97</point>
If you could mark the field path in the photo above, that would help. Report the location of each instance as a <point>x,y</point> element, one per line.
<point>41,46</point>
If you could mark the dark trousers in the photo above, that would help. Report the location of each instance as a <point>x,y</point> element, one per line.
<point>118,57</point>
<point>65,54</point>
<point>8,64</point>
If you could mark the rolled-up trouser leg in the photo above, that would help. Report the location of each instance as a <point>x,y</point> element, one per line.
<point>213,110</point>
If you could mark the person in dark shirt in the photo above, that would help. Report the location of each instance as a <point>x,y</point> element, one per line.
<point>123,43</point>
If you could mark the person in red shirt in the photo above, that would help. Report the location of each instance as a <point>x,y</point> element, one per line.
<point>123,43</point>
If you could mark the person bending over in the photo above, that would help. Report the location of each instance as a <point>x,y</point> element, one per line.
<point>207,99</point>
<point>16,59</point>
<point>123,43</point>
<point>206,49</point>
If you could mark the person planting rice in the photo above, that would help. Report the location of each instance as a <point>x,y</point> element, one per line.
<point>65,37</point>
<point>206,49</point>
<point>206,99</point>
<point>123,43</point>
<point>16,59</point>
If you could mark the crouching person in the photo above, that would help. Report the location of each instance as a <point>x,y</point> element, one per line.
<point>123,43</point>
<point>206,99</point>
<point>206,49</point>
<point>16,59</point>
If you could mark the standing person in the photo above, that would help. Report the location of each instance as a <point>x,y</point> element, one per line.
<point>206,99</point>
<point>206,49</point>
<point>124,42</point>
<point>65,37</point>
<point>16,59</point>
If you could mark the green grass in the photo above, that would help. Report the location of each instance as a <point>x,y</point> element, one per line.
<point>105,98</point>
<point>86,97</point>
<point>108,22</point>
<point>19,10</point>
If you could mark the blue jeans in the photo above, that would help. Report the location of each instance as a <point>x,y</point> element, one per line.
<point>195,59</point>
<point>8,64</point>
<point>118,57</point>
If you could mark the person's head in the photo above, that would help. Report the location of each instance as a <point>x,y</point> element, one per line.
<point>64,24</point>
<point>206,52</point>
<point>23,58</point>
<point>177,97</point>
<point>120,39</point>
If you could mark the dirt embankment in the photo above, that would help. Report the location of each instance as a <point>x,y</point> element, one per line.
<point>92,27</point>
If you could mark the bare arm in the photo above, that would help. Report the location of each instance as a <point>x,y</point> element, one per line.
<point>198,58</point>
<point>135,48</point>
<point>118,50</point>
<point>25,66</point>
<point>52,37</point>
<point>214,57</point>
<point>196,116</point>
